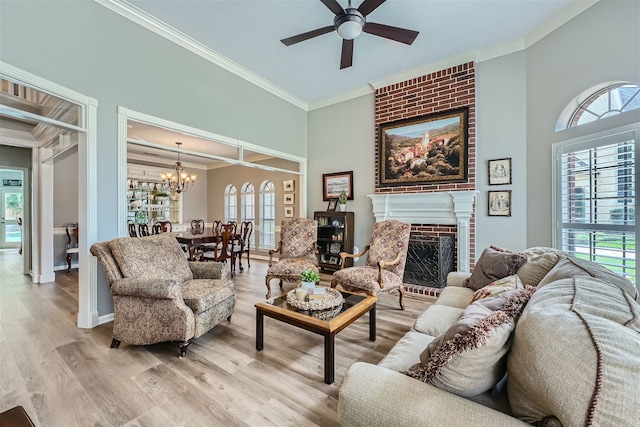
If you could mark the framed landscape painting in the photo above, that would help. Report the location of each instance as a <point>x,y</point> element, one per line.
<point>423,150</point>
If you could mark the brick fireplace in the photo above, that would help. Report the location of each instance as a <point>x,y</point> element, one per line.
<point>433,210</point>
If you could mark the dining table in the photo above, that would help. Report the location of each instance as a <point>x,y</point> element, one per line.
<point>192,241</point>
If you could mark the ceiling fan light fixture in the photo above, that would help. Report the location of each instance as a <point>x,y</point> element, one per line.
<point>349,25</point>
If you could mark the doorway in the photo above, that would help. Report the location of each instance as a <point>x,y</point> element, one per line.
<point>11,208</point>
<point>77,115</point>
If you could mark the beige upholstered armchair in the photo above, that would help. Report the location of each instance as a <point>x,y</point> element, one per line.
<point>158,295</point>
<point>298,251</point>
<point>384,269</point>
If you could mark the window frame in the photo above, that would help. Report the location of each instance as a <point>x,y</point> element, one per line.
<point>230,194</point>
<point>244,196</point>
<point>590,142</point>
<point>264,222</point>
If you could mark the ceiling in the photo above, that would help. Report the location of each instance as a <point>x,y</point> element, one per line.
<point>248,33</point>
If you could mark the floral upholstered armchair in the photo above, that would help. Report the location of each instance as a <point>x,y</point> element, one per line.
<point>384,269</point>
<point>158,295</point>
<point>298,251</point>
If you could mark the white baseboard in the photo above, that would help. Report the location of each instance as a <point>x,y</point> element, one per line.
<point>105,319</point>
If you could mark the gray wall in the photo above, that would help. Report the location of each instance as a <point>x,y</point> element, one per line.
<point>87,48</point>
<point>519,98</point>
<point>342,138</point>
<point>65,189</point>
<point>601,44</point>
<point>501,132</point>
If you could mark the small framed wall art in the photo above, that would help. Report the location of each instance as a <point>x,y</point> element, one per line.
<point>335,183</point>
<point>500,203</point>
<point>289,185</point>
<point>289,198</point>
<point>288,211</point>
<point>500,171</point>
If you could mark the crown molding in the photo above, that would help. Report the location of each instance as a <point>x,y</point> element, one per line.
<point>17,138</point>
<point>151,23</point>
<point>555,22</point>
<point>366,90</point>
<point>138,16</point>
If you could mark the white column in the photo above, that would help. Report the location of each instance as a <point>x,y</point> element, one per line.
<point>463,209</point>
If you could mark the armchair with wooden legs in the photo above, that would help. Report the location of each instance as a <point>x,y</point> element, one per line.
<point>298,251</point>
<point>384,269</point>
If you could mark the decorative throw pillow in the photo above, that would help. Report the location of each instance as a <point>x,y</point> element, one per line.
<point>498,287</point>
<point>493,265</point>
<point>470,358</point>
<point>152,257</point>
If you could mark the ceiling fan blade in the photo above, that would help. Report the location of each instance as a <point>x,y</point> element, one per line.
<point>334,6</point>
<point>308,35</point>
<point>369,6</point>
<point>346,60</point>
<point>401,35</point>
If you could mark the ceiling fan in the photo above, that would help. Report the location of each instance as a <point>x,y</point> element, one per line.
<point>349,23</point>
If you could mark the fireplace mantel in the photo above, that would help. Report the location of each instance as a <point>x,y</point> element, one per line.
<point>452,207</point>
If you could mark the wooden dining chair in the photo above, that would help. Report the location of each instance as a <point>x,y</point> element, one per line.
<point>132,228</point>
<point>243,242</point>
<point>72,243</point>
<point>162,227</point>
<point>166,226</point>
<point>197,226</point>
<point>143,230</point>
<point>222,250</point>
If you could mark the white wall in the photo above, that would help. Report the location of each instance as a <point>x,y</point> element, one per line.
<point>501,132</point>
<point>342,138</point>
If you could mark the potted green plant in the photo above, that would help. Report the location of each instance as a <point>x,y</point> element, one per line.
<point>342,201</point>
<point>309,276</point>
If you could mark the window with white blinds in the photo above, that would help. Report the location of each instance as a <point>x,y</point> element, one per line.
<point>267,215</point>
<point>248,206</point>
<point>230,203</point>
<point>595,211</point>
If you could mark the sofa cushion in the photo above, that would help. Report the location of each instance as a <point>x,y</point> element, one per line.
<point>292,267</point>
<point>202,294</point>
<point>494,264</point>
<point>539,261</point>
<point>436,319</point>
<point>574,358</point>
<point>365,277</point>
<point>469,358</point>
<point>153,257</point>
<point>570,266</point>
<point>455,296</point>
<point>498,287</point>
<point>406,352</point>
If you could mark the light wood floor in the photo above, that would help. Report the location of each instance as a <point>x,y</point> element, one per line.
<point>65,376</point>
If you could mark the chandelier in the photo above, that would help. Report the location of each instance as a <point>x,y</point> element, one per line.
<point>178,179</point>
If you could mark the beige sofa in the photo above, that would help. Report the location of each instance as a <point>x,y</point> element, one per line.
<point>574,358</point>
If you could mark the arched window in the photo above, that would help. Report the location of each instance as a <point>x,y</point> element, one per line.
<point>248,207</point>
<point>600,101</point>
<point>595,179</point>
<point>230,203</point>
<point>267,215</point>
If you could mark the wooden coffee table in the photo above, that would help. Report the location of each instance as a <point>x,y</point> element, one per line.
<point>322,322</point>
